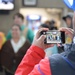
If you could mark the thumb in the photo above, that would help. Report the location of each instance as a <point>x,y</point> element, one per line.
<point>42,37</point>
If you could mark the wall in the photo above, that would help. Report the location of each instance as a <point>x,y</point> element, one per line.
<point>36,11</point>
<point>44,13</point>
<point>6,20</point>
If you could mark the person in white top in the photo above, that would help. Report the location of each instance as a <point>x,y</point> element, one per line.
<point>13,50</point>
<point>17,40</point>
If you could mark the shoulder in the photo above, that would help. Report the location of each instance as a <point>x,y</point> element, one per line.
<point>56,60</point>
<point>27,43</point>
<point>7,43</point>
<point>44,62</point>
<point>6,46</point>
<point>55,57</point>
<point>42,68</point>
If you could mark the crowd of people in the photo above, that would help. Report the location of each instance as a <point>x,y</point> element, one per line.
<point>14,46</point>
<point>20,46</point>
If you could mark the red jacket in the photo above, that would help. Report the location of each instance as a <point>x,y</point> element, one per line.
<point>34,63</point>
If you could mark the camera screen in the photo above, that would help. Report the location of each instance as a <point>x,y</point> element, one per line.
<point>53,37</point>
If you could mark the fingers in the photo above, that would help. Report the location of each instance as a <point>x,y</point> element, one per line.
<point>71,29</point>
<point>39,31</point>
<point>42,38</point>
<point>67,30</point>
<point>63,29</point>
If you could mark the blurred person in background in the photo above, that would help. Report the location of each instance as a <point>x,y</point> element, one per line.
<point>50,24</point>
<point>2,41</point>
<point>13,50</point>
<point>19,20</point>
<point>55,49</point>
<point>47,23</point>
<point>68,20</point>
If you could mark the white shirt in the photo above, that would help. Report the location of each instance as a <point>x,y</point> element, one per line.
<point>17,46</point>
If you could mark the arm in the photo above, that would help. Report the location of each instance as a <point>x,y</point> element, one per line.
<point>33,57</point>
<point>43,68</point>
<point>29,61</point>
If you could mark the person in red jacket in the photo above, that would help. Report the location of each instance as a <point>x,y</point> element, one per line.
<point>34,62</point>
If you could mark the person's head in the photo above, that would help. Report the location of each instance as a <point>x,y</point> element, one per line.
<point>18,19</point>
<point>16,31</point>
<point>47,23</point>
<point>52,25</point>
<point>54,28</point>
<point>49,27</point>
<point>68,20</point>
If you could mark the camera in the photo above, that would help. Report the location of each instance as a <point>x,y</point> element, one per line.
<point>53,36</point>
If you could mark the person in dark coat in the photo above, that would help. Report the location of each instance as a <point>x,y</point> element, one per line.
<point>13,50</point>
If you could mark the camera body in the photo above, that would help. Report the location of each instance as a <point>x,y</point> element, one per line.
<point>53,36</point>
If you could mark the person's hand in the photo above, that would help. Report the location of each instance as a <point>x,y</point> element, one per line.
<point>68,31</point>
<point>39,40</point>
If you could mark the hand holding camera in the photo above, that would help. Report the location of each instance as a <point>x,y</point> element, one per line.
<point>39,40</point>
<point>68,31</point>
<point>45,38</point>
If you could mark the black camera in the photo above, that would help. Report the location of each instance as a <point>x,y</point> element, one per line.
<point>53,36</point>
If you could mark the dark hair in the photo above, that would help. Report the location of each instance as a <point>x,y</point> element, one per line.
<point>17,26</point>
<point>52,22</point>
<point>19,15</point>
<point>45,26</point>
<point>52,25</point>
<point>50,28</point>
<point>68,16</point>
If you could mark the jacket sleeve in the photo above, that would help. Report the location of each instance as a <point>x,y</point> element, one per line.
<point>34,56</point>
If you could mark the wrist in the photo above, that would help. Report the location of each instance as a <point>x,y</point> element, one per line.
<point>38,50</point>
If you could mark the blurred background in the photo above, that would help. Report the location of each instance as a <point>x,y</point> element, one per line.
<point>35,13</point>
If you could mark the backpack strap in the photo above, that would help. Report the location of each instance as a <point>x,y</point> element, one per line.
<point>59,66</point>
<point>70,64</point>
